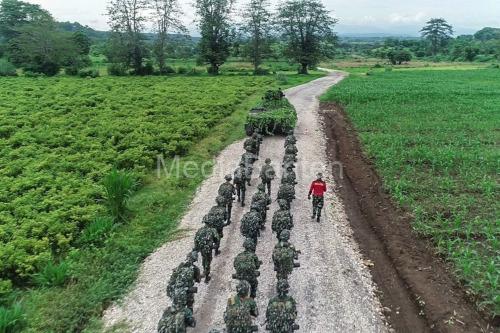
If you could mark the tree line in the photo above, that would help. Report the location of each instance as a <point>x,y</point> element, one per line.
<point>305,26</point>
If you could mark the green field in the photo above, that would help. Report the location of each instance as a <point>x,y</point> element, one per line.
<point>434,138</point>
<point>59,138</point>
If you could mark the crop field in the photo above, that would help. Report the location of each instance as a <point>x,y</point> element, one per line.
<point>434,138</point>
<point>59,138</point>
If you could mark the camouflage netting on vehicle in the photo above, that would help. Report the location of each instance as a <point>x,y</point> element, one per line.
<point>272,117</point>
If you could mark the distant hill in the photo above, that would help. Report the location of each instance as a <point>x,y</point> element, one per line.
<point>486,34</point>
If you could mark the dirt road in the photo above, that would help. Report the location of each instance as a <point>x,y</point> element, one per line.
<point>332,287</point>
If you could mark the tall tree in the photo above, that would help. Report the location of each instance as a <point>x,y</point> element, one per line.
<point>166,14</point>
<point>215,29</point>
<point>15,14</point>
<point>438,32</point>
<point>126,18</point>
<point>308,28</point>
<point>257,23</point>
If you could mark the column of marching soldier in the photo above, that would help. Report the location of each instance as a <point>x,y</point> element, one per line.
<point>241,308</point>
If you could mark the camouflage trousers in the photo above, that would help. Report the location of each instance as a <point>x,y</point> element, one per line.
<point>240,192</point>
<point>206,260</point>
<point>229,208</point>
<point>217,243</point>
<point>268,185</point>
<point>318,203</point>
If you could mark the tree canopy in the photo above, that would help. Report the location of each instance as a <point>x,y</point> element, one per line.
<point>438,32</point>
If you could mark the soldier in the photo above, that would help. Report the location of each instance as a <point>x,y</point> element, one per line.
<point>290,139</point>
<point>291,149</point>
<point>281,311</point>
<point>286,192</point>
<point>289,176</point>
<point>227,191</point>
<point>240,182</point>
<point>284,255</point>
<point>177,317</point>
<point>205,241</point>
<point>251,144</point>
<point>267,174</point>
<point>260,140</point>
<point>216,218</point>
<point>240,310</point>
<point>250,223</point>
<point>249,157</point>
<point>289,159</point>
<point>282,218</point>
<point>317,189</point>
<point>247,266</point>
<point>184,276</point>
<point>262,200</point>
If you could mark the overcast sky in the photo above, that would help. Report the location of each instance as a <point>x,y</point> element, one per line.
<point>355,16</point>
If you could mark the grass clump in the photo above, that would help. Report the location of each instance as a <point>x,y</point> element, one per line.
<point>53,275</point>
<point>118,188</point>
<point>12,319</point>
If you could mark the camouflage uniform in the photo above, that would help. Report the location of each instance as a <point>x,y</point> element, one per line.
<point>227,191</point>
<point>289,160</point>
<point>267,174</point>
<point>282,218</point>
<point>250,224</point>
<point>281,311</point>
<point>289,176</point>
<point>205,241</point>
<point>286,192</point>
<point>240,310</point>
<point>184,276</point>
<point>240,182</point>
<point>261,200</point>
<point>291,149</point>
<point>247,265</point>
<point>177,317</point>
<point>290,139</point>
<point>216,218</point>
<point>284,255</point>
<point>260,140</point>
<point>251,144</point>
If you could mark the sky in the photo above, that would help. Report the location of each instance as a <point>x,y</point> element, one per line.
<point>355,16</point>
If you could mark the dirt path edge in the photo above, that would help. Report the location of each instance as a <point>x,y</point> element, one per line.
<point>416,290</point>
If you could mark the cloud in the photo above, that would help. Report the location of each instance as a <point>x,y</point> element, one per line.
<point>398,18</point>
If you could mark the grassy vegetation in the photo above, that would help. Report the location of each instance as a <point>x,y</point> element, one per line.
<point>93,125</point>
<point>434,138</point>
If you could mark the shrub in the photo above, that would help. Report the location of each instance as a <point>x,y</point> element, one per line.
<point>261,71</point>
<point>282,78</point>
<point>494,66</point>
<point>118,187</point>
<point>169,70</point>
<point>182,70</point>
<point>33,74</point>
<point>7,69</point>
<point>377,65</point>
<point>194,71</point>
<point>89,72</point>
<point>117,70</point>
<point>71,70</point>
<point>53,275</point>
<point>12,319</point>
<point>97,231</point>
<point>388,69</point>
<point>370,73</point>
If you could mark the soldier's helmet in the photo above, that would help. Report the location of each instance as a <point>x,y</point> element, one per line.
<point>261,187</point>
<point>268,161</point>
<point>282,287</point>
<point>192,256</point>
<point>319,175</point>
<point>289,166</point>
<point>243,288</point>
<point>249,245</point>
<point>206,220</point>
<point>290,132</point>
<point>220,200</point>
<point>228,178</point>
<point>282,203</point>
<point>242,163</point>
<point>254,206</point>
<point>254,135</point>
<point>284,235</point>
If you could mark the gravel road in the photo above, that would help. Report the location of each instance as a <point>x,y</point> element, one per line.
<point>332,287</point>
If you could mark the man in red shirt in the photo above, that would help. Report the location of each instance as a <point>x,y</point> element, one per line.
<point>317,189</point>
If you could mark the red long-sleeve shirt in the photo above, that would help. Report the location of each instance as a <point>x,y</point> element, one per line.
<point>318,188</point>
